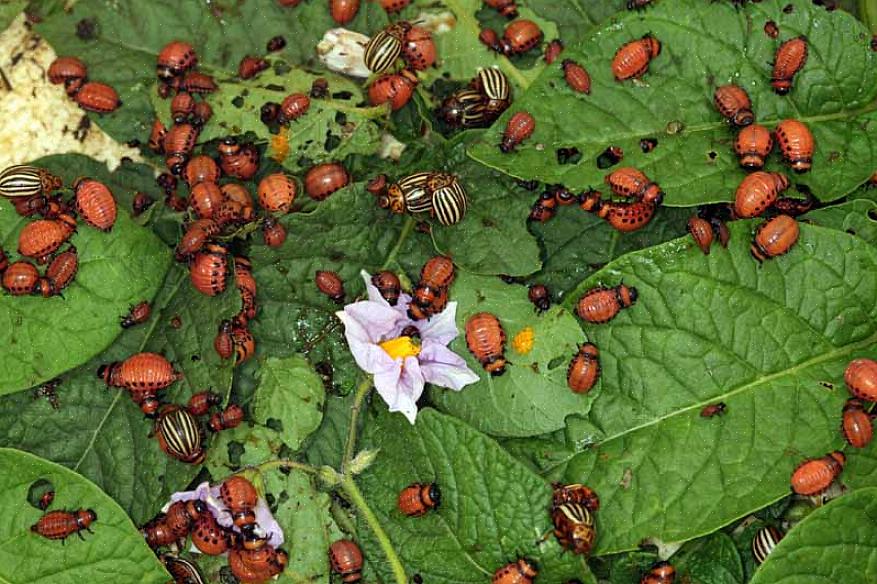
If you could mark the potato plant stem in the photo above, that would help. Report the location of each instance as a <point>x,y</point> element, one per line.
<point>353,492</point>
<point>868,13</point>
<point>361,392</point>
<point>286,463</point>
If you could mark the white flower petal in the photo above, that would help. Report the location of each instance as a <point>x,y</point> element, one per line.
<point>444,368</point>
<point>374,295</point>
<point>378,319</point>
<point>441,328</point>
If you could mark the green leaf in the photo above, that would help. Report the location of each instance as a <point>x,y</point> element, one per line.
<point>9,10</point>
<point>326,448</point>
<point>531,397</point>
<point>290,396</point>
<point>575,17</point>
<point>711,560</point>
<point>854,217</point>
<point>834,94</point>
<point>493,509</point>
<point>100,432</point>
<point>568,257</point>
<point>114,552</point>
<point>771,341</point>
<point>837,543</point>
<point>129,37</point>
<point>44,337</point>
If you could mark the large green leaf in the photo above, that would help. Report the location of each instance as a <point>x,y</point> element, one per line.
<point>711,560</point>
<point>854,217</point>
<point>771,341</point>
<point>837,543</point>
<point>290,398</point>
<point>129,36</point>
<point>694,161</point>
<point>114,552</point>
<point>532,396</point>
<point>575,18</point>
<point>44,337</point>
<point>492,510</point>
<point>100,432</point>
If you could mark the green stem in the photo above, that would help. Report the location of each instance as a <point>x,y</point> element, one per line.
<point>361,392</point>
<point>406,231</point>
<point>357,499</point>
<point>868,13</point>
<point>286,463</point>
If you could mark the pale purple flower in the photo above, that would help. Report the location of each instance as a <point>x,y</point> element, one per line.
<point>400,366</point>
<point>267,525</point>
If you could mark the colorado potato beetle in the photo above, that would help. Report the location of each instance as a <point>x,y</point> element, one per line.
<point>753,144</point>
<point>437,274</point>
<point>273,232</point>
<point>324,179</point>
<point>660,573</point>
<point>796,144</point>
<point>521,571</point>
<point>251,66</point>
<point>180,437</point>
<point>201,402</point>
<point>343,11</point>
<point>552,51</point>
<point>632,60</point>
<point>182,106</point>
<point>330,284</point>
<point>230,417</point>
<point>209,536</point>
<point>734,104</point>
<point>789,59</point>
<point>757,192</point>
<point>764,541</point>
<point>205,198</point>
<point>861,378</point>
<point>711,410</point>
<point>63,524</point>
<point>631,182</point>
<point>43,237</point>
<point>277,192</point>
<point>196,237</point>
<point>702,232</point>
<point>384,48</point>
<point>345,557</point>
<point>64,68</point>
<point>449,201</point>
<point>60,273</point>
<point>775,238</point>
<point>539,296</point>
<point>388,285</point>
<point>858,430</point>
<point>577,77</point>
<point>141,371</point>
<point>506,8</point>
<point>520,36</point>
<point>196,82</point>
<point>223,343</point>
<point>418,49</point>
<point>600,305</point>
<point>391,6</point>
<point>493,84</point>
<point>519,127</point>
<point>574,527</point>
<point>393,88</point>
<point>626,217</point>
<point>20,278</point>
<point>201,168</point>
<point>182,570</point>
<point>575,493</point>
<point>584,369</point>
<point>175,58</point>
<point>95,203</point>
<point>814,476</point>
<point>209,269</point>
<point>97,97</point>
<point>486,339</point>
<point>418,499</point>
<point>293,106</point>
<point>466,108</point>
<point>22,180</point>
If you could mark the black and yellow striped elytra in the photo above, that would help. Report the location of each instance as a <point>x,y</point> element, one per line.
<point>182,570</point>
<point>466,108</point>
<point>180,435</point>
<point>384,48</point>
<point>22,180</point>
<point>449,202</point>
<point>495,86</point>
<point>410,194</point>
<point>764,541</point>
<point>574,527</point>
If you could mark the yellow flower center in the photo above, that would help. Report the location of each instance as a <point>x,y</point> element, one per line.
<point>401,347</point>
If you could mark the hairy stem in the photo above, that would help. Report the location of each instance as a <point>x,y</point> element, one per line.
<point>286,463</point>
<point>361,392</point>
<point>406,231</point>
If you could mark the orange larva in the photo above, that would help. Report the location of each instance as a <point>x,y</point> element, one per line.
<point>209,537</point>
<point>140,372</point>
<point>753,144</point>
<point>182,106</point>
<point>196,237</point>
<point>631,182</point>
<point>600,305</point>
<point>273,232</point>
<point>507,8</point>
<point>858,430</point>
<point>418,49</point>
<point>521,571</point>
<point>552,51</point>
<point>395,89</point>
<point>633,58</point>
<point>20,278</point>
<point>702,233</point>
<point>97,97</point>
<point>660,573</point>
<point>156,136</point>
<point>436,275</point>
<point>519,128</point>
<point>138,314</point>
<point>627,217</point>
<point>324,179</point>
<point>419,498</point>
<point>60,273</point>
<point>95,203</point>
<point>201,168</point>
<point>790,58</point>
<point>576,77</point>
<point>196,82</point>
<point>205,199</point>
<point>775,238</point>
<point>240,497</point>
<point>520,36</point>
<point>277,192</point>
<point>345,557</point>
<point>233,415</point>
<point>330,284</point>
<point>209,270</point>
<point>64,68</point>
<point>796,144</point>
<point>343,11</point>
<point>293,106</point>
<point>41,238</point>
<point>244,344</point>
<point>251,66</point>
<point>486,338</point>
<point>237,192</point>
<point>734,104</point>
<point>392,6</point>
<point>223,343</point>
<point>243,164</point>
<point>202,113</point>
<point>757,192</point>
<point>814,476</point>
<point>63,524</point>
<point>201,402</point>
<point>175,58</point>
<point>584,369</point>
<point>861,379</point>
<point>388,285</point>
